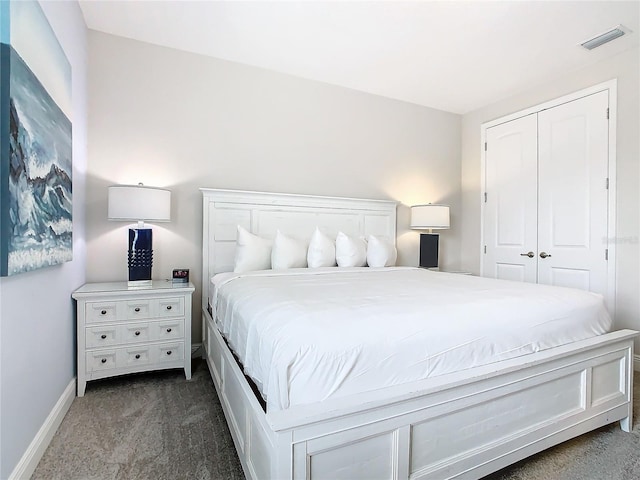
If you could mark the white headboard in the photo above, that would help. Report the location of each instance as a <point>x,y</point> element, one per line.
<point>264,213</point>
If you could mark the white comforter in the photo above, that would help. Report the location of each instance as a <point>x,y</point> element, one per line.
<point>304,335</point>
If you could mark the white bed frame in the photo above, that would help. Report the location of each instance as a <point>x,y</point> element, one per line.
<point>463,425</point>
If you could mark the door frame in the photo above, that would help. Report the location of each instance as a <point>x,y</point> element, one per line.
<point>612,87</point>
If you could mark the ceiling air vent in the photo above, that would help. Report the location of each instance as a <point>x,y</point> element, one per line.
<point>605,37</point>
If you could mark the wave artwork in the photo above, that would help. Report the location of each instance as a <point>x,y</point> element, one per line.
<point>36,154</point>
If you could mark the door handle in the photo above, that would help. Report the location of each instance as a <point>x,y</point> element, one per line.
<point>544,254</point>
<point>529,254</point>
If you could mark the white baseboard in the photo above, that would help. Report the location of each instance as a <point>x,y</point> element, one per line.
<point>636,363</point>
<point>29,461</point>
<point>195,347</point>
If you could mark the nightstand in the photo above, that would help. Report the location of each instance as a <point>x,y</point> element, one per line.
<point>458,272</point>
<point>126,330</point>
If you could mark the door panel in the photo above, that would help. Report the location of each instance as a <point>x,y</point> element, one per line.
<point>510,210</point>
<point>572,193</point>
<point>506,271</point>
<point>570,277</point>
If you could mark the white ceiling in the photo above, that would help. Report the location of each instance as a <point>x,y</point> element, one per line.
<point>451,55</point>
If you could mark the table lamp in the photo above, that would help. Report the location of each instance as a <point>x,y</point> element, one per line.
<point>142,204</point>
<point>429,217</point>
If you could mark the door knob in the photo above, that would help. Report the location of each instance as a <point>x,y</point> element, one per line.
<point>544,254</point>
<point>529,254</point>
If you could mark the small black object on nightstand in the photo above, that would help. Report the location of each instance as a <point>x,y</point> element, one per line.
<point>180,275</point>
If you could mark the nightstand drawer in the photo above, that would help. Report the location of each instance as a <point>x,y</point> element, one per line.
<point>101,360</point>
<point>101,312</point>
<point>133,356</point>
<point>169,352</point>
<point>101,336</point>
<point>171,307</point>
<point>127,357</point>
<point>138,309</point>
<point>168,329</point>
<point>134,333</point>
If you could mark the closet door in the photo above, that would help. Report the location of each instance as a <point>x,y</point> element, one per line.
<point>572,194</point>
<point>509,221</point>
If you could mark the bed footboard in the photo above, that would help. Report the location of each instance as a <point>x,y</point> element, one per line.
<point>464,425</point>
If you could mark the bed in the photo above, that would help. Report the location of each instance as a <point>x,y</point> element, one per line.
<point>456,424</point>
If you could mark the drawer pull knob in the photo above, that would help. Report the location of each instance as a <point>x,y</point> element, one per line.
<point>137,356</point>
<point>168,330</point>
<point>103,336</point>
<point>137,309</point>
<point>168,307</point>
<point>103,312</point>
<point>169,352</point>
<point>104,360</point>
<point>137,333</point>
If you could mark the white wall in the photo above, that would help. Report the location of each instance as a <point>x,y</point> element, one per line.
<point>625,68</point>
<point>37,345</point>
<point>183,121</point>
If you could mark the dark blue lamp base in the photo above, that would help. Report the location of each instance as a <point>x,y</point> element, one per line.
<point>140,257</point>
<point>429,250</point>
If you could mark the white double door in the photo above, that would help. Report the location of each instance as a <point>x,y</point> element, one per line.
<point>545,217</point>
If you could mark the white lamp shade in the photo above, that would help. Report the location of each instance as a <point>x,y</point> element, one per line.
<point>430,216</point>
<point>139,203</point>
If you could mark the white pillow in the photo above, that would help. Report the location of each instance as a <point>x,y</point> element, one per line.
<point>252,252</point>
<point>350,251</point>
<point>288,252</point>
<point>322,251</point>
<point>381,252</point>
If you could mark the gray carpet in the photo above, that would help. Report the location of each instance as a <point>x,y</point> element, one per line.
<point>159,426</point>
<point>147,426</point>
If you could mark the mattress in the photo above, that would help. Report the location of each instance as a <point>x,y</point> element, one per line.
<point>305,335</point>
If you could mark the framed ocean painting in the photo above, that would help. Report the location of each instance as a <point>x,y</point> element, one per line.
<point>35,142</point>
